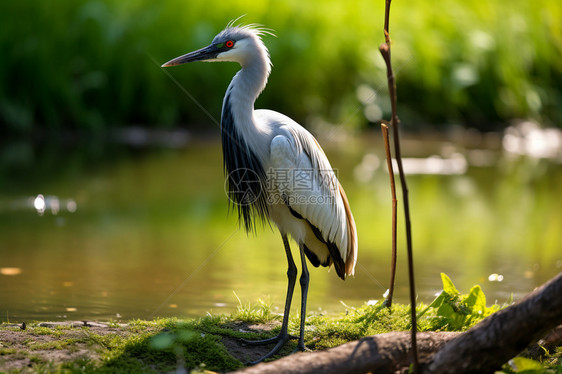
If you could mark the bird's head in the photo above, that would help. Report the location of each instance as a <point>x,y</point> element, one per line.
<point>235,43</point>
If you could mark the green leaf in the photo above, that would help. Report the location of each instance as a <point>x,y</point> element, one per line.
<point>476,300</point>
<point>162,341</point>
<point>521,364</point>
<point>448,285</point>
<point>446,311</point>
<point>438,301</point>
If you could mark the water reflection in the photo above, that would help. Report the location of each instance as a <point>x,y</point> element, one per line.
<point>51,203</point>
<point>455,164</point>
<point>495,277</point>
<point>529,139</point>
<point>10,271</point>
<point>152,235</point>
<point>435,165</point>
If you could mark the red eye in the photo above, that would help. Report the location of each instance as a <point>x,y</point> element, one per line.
<point>229,43</point>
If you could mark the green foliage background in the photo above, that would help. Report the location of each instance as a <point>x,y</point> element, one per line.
<point>94,64</point>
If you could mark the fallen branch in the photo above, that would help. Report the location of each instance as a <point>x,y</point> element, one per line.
<point>548,343</point>
<point>384,353</point>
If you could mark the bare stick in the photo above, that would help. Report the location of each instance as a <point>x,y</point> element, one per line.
<point>384,129</point>
<point>395,122</point>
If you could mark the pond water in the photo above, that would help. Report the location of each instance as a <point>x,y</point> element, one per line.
<point>147,233</point>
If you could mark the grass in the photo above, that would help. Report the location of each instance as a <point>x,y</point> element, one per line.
<point>258,312</point>
<point>163,345</point>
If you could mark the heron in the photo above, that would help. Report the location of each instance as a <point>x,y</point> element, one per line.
<point>277,172</point>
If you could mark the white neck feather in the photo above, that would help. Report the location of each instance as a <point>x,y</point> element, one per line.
<point>246,86</point>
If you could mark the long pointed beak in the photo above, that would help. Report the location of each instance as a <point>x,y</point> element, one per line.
<point>203,54</point>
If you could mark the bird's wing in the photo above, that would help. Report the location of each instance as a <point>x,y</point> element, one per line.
<point>303,178</point>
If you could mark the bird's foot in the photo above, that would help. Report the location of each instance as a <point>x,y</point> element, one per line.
<point>275,339</point>
<point>301,348</point>
<point>280,339</point>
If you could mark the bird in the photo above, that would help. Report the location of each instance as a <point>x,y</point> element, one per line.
<point>276,171</point>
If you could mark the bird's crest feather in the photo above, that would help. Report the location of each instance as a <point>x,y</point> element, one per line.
<point>256,28</point>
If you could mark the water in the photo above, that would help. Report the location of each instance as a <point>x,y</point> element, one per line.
<point>142,234</point>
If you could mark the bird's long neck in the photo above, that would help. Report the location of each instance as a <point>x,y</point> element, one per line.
<point>244,89</point>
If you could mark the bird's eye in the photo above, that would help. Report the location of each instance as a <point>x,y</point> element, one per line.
<point>229,44</point>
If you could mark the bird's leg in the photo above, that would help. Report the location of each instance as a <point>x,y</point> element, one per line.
<point>304,280</point>
<point>292,277</point>
<point>283,336</point>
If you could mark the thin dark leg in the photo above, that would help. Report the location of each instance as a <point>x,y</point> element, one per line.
<point>283,336</point>
<point>304,280</point>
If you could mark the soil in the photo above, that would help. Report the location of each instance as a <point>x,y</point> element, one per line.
<point>247,353</point>
<point>21,348</point>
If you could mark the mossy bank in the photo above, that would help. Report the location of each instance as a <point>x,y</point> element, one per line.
<point>212,343</point>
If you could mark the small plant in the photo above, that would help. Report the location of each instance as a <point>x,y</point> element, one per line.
<point>192,344</point>
<point>455,311</point>
<point>169,339</point>
<point>524,365</point>
<point>112,323</point>
<point>258,312</point>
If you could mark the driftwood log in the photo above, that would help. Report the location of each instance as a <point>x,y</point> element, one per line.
<point>548,343</point>
<point>482,349</point>
<point>384,353</point>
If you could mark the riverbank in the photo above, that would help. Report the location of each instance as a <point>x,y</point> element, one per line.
<point>212,343</point>
<point>136,346</point>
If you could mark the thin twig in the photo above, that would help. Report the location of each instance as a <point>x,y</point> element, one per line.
<point>384,129</point>
<point>395,121</point>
